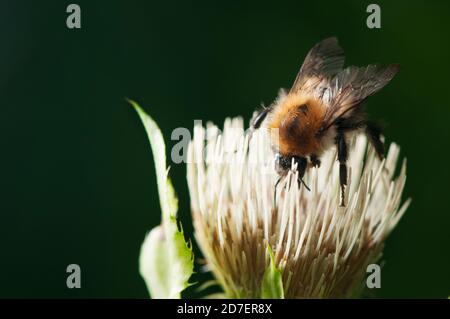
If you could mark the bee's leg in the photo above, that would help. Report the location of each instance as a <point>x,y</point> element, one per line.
<point>342,158</point>
<point>373,132</point>
<point>315,160</point>
<point>302,163</point>
<point>259,118</point>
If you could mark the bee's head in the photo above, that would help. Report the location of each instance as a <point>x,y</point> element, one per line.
<point>282,163</point>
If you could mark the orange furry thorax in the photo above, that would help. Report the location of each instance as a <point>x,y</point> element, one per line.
<point>294,124</point>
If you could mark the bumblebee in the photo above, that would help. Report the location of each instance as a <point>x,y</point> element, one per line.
<point>322,108</point>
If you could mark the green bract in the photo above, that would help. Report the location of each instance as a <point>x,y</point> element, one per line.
<point>272,283</point>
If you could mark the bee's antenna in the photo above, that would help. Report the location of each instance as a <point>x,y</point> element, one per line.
<point>275,192</point>
<point>304,184</point>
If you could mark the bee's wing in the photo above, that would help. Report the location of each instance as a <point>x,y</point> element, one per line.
<point>351,86</point>
<point>324,60</point>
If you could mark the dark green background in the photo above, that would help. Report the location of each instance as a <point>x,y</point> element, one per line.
<point>77,178</point>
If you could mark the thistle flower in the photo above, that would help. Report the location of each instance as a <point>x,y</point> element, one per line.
<point>320,249</point>
<point>303,246</point>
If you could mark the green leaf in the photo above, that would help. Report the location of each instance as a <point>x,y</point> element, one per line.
<point>272,283</point>
<point>167,197</point>
<point>166,261</point>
